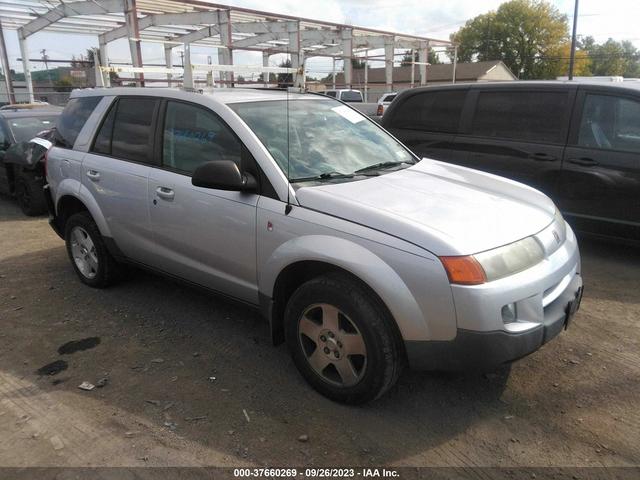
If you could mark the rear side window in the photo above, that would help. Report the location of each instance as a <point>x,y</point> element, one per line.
<point>521,115</point>
<point>610,123</point>
<point>437,111</point>
<point>126,131</point>
<point>351,97</point>
<point>330,94</point>
<point>195,135</point>
<point>73,118</point>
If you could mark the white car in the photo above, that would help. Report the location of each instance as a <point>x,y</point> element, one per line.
<point>362,256</point>
<point>384,101</point>
<point>345,95</point>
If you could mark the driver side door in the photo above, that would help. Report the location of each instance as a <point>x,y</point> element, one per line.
<point>203,235</point>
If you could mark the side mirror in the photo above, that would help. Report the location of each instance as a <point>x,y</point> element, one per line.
<point>223,175</point>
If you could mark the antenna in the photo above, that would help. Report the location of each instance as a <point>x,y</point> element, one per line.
<point>288,207</point>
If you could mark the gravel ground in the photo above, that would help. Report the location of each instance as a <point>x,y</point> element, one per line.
<point>192,380</point>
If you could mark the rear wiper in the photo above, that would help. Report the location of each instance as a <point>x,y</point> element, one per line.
<point>323,176</point>
<point>380,165</point>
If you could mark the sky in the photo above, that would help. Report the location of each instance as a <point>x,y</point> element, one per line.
<point>436,19</point>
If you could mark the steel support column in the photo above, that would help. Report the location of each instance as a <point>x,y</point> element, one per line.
<point>366,76</point>
<point>225,54</point>
<point>104,61</point>
<point>347,53</point>
<point>11,96</point>
<point>389,50</point>
<point>131,21</point>
<point>168,61</point>
<point>187,81</point>
<point>423,58</point>
<point>265,63</point>
<point>26,66</point>
<point>295,53</point>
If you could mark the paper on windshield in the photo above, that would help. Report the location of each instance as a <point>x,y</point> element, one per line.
<point>348,113</point>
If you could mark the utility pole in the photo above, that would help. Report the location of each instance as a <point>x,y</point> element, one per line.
<point>45,59</point>
<point>572,57</point>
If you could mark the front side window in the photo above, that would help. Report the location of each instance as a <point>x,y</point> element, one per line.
<point>521,115</point>
<point>610,123</point>
<point>25,128</point>
<point>195,135</point>
<point>73,118</point>
<point>324,137</point>
<point>437,111</point>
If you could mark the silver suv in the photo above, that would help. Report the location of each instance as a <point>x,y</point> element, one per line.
<point>361,256</point>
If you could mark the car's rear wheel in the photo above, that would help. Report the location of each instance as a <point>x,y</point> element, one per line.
<point>29,195</point>
<point>342,340</point>
<point>88,253</point>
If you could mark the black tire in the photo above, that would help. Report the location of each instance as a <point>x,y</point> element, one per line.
<point>30,195</point>
<point>358,308</point>
<point>106,271</point>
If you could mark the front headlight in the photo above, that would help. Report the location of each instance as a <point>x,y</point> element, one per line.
<point>513,258</point>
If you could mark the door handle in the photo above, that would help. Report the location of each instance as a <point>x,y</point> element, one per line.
<point>543,157</point>
<point>165,193</point>
<point>93,175</point>
<point>584,161</point>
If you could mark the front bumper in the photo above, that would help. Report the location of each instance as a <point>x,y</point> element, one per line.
<point>482,351</point>
<point>542,298</point>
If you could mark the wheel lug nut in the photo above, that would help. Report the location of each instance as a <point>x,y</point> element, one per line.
<point>326,350</point>
<point>331,335</point>
<point>323,338</point>
<point>339,344</point>
<point>337,354</point>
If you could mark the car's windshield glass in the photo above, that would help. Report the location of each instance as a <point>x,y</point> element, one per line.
<point>325,137</point>
<point>25,128</point>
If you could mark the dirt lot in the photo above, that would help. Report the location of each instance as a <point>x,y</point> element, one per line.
<point>160,344</point>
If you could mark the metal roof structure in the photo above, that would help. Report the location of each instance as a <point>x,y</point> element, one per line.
<point>202,23</point>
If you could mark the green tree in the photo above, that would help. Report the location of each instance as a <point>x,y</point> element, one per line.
<point>612,57</point>
<point>521,33</point>
<point>432,58</point>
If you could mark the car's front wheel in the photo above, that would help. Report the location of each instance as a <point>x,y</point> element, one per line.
<point>342,340</point>
<point>88,253</point>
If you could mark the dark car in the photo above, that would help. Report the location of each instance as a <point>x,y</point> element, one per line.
<point>21,166</point>
<point>578,143</point>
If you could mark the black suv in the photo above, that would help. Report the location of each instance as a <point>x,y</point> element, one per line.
<point>578,143</point>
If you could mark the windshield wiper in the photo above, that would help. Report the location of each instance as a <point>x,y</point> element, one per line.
<point>323,176</point>
<point>378,166</point>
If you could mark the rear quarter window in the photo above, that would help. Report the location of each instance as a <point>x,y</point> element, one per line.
<point>73,118</point>
<point>437,111</point>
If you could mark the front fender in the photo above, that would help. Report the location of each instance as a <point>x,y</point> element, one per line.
<point>357,260</point>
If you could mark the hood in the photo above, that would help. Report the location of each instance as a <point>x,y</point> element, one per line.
<point>443,208</point>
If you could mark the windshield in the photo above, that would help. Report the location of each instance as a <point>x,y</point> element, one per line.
<point>25,128</point>
<point>325,137</point>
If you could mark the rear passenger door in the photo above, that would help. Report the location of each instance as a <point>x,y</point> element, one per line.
<point>204,235</point>
<point>116,172</point>
<point>427,122</point>
<point>600,181</point>
<point>519,133</point>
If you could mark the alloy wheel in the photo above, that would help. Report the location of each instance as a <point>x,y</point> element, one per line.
<point>84,252</point>
<point>332,344</point>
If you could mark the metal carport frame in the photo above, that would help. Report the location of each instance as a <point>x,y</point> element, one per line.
<point>196,22</point>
